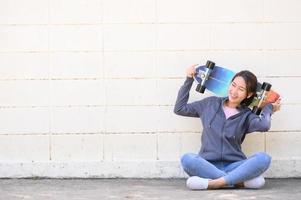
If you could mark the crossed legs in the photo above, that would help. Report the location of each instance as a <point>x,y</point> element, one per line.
<point>206,175</point>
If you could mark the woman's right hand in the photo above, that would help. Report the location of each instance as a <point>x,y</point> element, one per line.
<point>190,71</point>
<point>276,105</point>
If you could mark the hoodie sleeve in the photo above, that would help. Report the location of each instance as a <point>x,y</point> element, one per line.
<point>261,123</point>
<point>182,107</point>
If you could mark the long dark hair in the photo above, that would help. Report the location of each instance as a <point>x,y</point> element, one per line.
<point>251,85</point>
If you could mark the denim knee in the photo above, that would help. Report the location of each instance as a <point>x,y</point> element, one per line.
<point>264,160</point>
<point>186,160</point>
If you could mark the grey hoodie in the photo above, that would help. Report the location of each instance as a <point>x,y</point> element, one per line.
<point>221,137</point>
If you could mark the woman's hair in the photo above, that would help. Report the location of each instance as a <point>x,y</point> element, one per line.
<point>251,85</point>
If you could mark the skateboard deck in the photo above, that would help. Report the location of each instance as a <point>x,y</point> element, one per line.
<point>218,79</point>
<point>263,97</point>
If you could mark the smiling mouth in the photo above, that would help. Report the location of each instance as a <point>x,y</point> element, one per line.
<point>233,97</point>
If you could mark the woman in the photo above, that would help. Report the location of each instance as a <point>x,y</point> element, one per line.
<point>226,120</point>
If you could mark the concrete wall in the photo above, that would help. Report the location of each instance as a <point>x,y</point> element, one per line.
<point>88,86</point>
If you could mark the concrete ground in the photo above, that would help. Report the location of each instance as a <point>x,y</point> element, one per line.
<point>137,189</point>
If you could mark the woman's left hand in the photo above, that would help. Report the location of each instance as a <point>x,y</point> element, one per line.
<point>276,105</point>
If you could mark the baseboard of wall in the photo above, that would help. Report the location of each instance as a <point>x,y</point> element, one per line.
<point>280,168</point>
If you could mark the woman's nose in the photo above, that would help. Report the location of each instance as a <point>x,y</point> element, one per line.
<point>233,90</point>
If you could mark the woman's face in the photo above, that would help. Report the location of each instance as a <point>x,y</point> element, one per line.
<point>237,91</point>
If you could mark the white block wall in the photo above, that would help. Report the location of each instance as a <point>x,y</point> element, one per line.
<point>88,86</point>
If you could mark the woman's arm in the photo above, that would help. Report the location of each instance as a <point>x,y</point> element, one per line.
<point>262,122</point>
<point>181,106</point>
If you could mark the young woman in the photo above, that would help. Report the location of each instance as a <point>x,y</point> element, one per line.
<point>226,120</point>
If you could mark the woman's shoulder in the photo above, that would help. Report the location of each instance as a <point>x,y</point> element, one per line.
<point>215,99</point>
<point>211,100</point>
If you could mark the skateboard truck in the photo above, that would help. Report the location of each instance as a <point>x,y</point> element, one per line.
<point>265,87</point>
<point>204,76</point>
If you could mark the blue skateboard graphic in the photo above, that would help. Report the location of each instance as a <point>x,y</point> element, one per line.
<point>213,78</point>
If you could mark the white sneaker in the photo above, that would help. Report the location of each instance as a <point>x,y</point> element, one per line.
<point>255,183</point>
<point>197,183</point>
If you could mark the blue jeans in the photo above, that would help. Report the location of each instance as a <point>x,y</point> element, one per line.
<point>233,172</point>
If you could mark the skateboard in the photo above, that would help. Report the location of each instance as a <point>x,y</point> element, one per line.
<point>218,79</point>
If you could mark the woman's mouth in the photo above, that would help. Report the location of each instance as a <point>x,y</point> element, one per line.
<point>233,96</point>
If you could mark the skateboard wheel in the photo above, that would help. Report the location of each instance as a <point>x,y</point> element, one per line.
<point>210,64</point>
<point>200,88</point>
<point>266,86</point>
<point>256,110</point>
